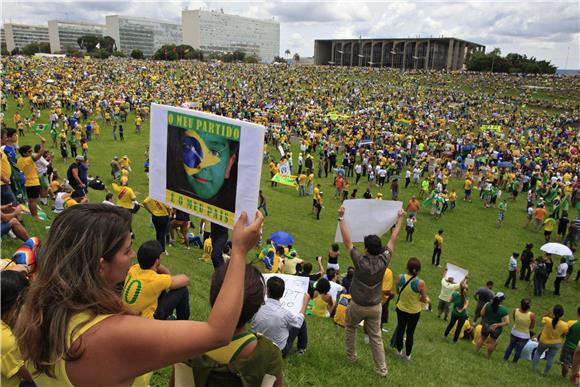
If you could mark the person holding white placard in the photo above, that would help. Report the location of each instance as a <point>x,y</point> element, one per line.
<point>366,290</point>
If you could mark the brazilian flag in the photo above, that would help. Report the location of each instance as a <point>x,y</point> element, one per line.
<point>39,128</point>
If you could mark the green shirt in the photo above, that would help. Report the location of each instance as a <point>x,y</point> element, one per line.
<point>502,207</point>
<point>458,303</point>
<point>492,317</point>
<point>573,336</point>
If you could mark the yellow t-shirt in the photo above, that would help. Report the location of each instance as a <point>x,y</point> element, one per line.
<point>387,284</point>
<point>552,335</point>
<point>156,208</point>
<point>61,378</point>
<point>6,168</point>
<point>467,184</point>
<point>28,167</point>
<point>125,196</point>
<point>11,358</point>
<point>207,249</point>
<point>439,240</point>
<point>143,288</point>
<point>316,195</point>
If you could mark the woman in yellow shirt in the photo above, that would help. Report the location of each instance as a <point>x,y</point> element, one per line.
<point>27,164</point>
<point>72,311</point>
<point>551,338</point>
<point>412,295</point>
<point>14,284</point>
<point>323,302</point>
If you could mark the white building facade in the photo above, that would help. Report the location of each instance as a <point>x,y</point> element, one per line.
<point>64,34</point>
<point>147,35</point>
<point>19,35</point>
<point>219,32</point>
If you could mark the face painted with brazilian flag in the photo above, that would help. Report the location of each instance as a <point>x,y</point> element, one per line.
<point>207,162</point>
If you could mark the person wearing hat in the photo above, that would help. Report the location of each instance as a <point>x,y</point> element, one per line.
<point>77,175</point>
<point>494,317</point>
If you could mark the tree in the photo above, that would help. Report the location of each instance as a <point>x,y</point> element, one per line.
<point>108,43</point>
<point>296,57</point>
<point>137,54</point>
<point>287,52</point>
<point>511,63</point>
<point>166,52</point>
<point>279,59</point>
<point>119,54</point>
<point>238,56</point>
<point>33,48</point>
<point>88,42</point>
<point>4,49</point>
<point>101,53</point>
<point>252,58</point>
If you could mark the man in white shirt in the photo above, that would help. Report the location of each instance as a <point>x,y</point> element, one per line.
<point>279,324</point>
<point>513,269</point>
<point>448,286</point>
<point>560,275</point>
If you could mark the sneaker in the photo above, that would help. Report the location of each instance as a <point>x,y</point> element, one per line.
<point>400,353</point>
<point>11,234</point>
<point>384,330</point>
<point>166,252</point>
<point>172,317</point>
<point>301,351</point>
<point>408,358</point>
<point>384,374</point>
<point>367,339</point>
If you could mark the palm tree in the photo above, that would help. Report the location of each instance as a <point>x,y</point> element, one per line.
<point>287,52</point>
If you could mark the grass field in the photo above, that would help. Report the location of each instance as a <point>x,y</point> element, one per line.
<point>471,241</point>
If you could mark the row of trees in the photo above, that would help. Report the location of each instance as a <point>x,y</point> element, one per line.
<point>511,63</point>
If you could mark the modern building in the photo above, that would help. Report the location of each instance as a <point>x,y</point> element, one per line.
<point>147,35</point>
<point>212,31</point>
<point>420,53</point>
<point>63,34</point>
<point>19,35</point>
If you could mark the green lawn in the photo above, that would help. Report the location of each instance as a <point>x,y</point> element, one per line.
<point>471,241</point>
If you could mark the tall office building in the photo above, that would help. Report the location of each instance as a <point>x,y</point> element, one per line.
<point>63,34</point>
<point>218,32</point>
<point>19,35</point>
<point>147,35</point>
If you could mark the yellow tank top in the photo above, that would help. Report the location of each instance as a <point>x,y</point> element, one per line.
<point>61,378</point>
<point>522,321</point>
<point>320,307</point>
<point>409,299</point>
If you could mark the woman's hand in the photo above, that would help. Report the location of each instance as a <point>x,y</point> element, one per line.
<point>341,211</point>
<point>245,237</point>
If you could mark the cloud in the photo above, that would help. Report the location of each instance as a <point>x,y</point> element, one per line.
<point>514,26</point>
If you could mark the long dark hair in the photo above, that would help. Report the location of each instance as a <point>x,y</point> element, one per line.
<point>558,312</point>
<point>177,178</point>
<point>14,285</point>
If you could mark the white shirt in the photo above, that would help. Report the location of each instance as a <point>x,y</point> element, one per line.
<point>562,269</point>
<point>41,165</point>
<point>274,322</point>
<point>513,264</point>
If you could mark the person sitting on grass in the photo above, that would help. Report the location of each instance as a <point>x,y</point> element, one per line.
<point>257,361</point>
<point>10,222</point>
<point>323,302</point>
<point>279,324</point>
<point>306,271</point>
<point>151,289</point>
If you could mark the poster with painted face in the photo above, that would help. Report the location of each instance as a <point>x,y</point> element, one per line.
<point>206,165</point>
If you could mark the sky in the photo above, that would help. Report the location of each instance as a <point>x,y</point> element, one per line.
<point>542,29</point>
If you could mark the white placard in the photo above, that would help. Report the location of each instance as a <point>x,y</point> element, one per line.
<point>295,288</point>
<point>456,272</point>
<point>368,216</point>
<point>203,164</point>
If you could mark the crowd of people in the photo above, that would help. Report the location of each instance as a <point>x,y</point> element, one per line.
<point>381,129</point>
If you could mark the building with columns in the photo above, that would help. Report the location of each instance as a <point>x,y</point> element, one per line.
<point>405,54</point>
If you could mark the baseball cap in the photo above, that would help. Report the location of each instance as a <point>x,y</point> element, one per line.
<point>80,158</point>
<point>500,296</point>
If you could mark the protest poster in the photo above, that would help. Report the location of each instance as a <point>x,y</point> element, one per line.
<point>295,288</point>
<point>281,150</point>
<point>285,168</point>
<point>365,217</point>
<point>492,128</point>
<point>457,273</point>
<point>285,179</point>
<point>203,164</point>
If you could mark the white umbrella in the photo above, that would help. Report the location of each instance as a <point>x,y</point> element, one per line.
<point>557,249</point>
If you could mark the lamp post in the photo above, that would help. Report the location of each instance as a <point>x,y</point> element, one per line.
<point>341,55</point>
<point>360,62</point>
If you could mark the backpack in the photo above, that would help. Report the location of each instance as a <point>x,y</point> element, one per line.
<point>541,269</point>
<point>341,306</point>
